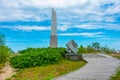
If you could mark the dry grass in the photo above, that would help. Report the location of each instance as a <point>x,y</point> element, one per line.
<point>1,66</point>
<point>48,72</point>
<point>116,55</point>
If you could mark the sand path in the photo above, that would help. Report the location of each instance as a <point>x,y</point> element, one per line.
<point>7,72</point>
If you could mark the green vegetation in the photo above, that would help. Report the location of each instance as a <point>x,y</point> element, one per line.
<point>1,66</point>
<point>2,41</point>
<point>116,55</point>
<point>46,63</point>
<point>32,57</point>
<point>61,50</point>
<point>47,72</point>
<point>117,76</point>
<point>4,53</point>
<point>95,48</point>
<point>4,50</point>
<point>42,64</point>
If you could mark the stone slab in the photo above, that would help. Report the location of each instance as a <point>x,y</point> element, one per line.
<point>73,56</point>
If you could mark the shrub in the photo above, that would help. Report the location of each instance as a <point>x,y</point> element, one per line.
<point>62,51</point>
<point>4,53</point>
<point>2,41</point>
<point>37,57</point>
<point>81,49</point>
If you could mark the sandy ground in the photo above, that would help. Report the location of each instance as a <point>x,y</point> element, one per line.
<point>7,72</point>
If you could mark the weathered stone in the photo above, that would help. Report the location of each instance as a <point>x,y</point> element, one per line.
<point>73,56</point>
<point>72,47</point>
<point>72,51</point>
<point>53,36</point>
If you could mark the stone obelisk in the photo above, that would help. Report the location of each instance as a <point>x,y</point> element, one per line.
<point>53,36</point>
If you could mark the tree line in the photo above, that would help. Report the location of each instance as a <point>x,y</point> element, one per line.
<point>95,47</point>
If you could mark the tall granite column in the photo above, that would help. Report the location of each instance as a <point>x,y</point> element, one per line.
<point>53,36</point>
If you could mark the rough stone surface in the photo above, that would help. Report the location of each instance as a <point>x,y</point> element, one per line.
<point>73,57</point>
<point>99,67</point>
<point>53,41</point>
<point>72,47</point>
<point>53,37</point>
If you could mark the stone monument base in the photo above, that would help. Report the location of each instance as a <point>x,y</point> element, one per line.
<point>76,57</point>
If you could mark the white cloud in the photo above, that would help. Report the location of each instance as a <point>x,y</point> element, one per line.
<point>44,3</point>
<point>99,26</point>
<point>81,34</point>
<point>28,28</point>
<point>90,25</point>
<point>68,11</point>
<point>78,6</point>
<point>63,28</point>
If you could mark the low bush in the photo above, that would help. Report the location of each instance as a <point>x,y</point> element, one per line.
<point>4,53</point>
<point>37,57</point>
<point>61,50</point>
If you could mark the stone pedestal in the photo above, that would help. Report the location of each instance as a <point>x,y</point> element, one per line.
<point>76,57</point>
<point>53,41</point>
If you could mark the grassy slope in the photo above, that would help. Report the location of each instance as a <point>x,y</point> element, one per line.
<point>47,72</point>
<point>117,76</point>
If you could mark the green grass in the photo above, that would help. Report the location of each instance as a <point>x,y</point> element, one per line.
<point>47,72</point>
<point>117,76</point>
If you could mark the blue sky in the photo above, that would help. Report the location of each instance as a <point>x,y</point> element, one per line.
<point>26,23</point>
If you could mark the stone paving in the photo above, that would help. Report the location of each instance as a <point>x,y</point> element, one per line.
<point>99,67</point>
